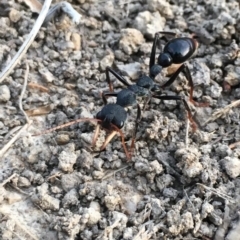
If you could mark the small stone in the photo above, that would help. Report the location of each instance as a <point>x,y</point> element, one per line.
<point>156,167</point>
<point>131,40</point>
<point>47,76</point>
<point>94,216</point>
<point>232,76</point>
<point>106,26</point>
<point>128,234</point>
<point>71,180</point>
<point>107,61</point>
<point>23,182</point>
<point>187,221</point>
<point>232,166</point>
<point>112,201</point>
<point>85,159</point>
<point>149,23</point>
<point>44,200</point>
<point>132,70</point>
<point>14,15</point>
<point>67,158</point>
<point>193,169</point>
<point>4,93</point>
<point>70,199</point>
<point>170,193</point>
<point>215,91</point>
<point>62,139</point>
<point>98,174</point>
<point>200,73</point>
<point>163,7</point>
<point>76,39</point>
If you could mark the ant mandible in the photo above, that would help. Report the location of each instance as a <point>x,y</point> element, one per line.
<point>176,51</point>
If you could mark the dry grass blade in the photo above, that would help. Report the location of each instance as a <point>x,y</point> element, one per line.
<point>8,145</point>
<point>23,49</point>
<point>22,93</point>
<point>8,179</point>
<point>38,86</point>
<point>40,110</point>
<point>218,193</point>
<point>222,111</point>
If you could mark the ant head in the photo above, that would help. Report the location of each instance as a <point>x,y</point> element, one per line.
<point>112,114</point>
<point>155,70</point>
<point>165,60</point>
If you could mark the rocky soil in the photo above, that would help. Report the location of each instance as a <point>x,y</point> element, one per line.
<point>54,186</point>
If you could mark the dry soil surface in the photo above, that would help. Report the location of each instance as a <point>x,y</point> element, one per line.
<point>54,186</point>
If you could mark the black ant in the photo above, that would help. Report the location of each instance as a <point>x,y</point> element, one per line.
<point>176,51</point>
<point>113,116</point>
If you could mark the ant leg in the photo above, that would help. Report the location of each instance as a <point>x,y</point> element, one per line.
<point>190,117</point>
<point>95,135</point>
<point>173,77</point>
<point>153,52</point>
<point>138,119</point>
<point>117,75</point>
<point>188,76</point>
<point>108,139</point>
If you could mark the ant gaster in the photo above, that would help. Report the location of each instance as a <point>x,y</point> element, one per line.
<point>176,51</point>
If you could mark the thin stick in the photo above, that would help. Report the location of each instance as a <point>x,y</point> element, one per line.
<point>23,91</point>
<point>222,111</point>
<point>218,193</point>
<point>8,179</point>
<point>233,145</point>
<point>8,145</point>
<point>27,42</point>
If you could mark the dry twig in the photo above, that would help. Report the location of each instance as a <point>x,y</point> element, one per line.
<point>23,49</point>
<point>222,111</point>
<point>8,145</point>
<point>218,193</point>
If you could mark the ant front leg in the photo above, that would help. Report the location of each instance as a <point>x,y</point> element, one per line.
<point>190,117</point>
<point>185,70</point>
<point>117,75</point>
<point>174,77</point>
